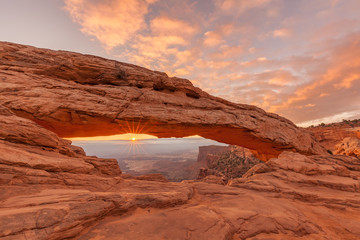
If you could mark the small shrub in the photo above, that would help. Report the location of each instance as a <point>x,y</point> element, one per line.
<point>121,75</point>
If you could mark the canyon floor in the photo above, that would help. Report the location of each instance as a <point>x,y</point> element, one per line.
<point>50,189</point>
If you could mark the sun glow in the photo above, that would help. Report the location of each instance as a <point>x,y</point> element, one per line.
<point>133,131</point>
<point>127,136</point>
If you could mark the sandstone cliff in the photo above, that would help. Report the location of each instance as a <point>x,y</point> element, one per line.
<point>50,189</point>
<point>348,146</point>
<point>225,162</point>
<point>330,135</point>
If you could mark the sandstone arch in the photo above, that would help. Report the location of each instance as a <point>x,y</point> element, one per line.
<point>77,95</point>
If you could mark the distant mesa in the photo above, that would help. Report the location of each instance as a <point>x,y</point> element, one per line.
<point>224,162</point>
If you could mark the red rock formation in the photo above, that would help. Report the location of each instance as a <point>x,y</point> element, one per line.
<point>225,162</point>
<point>205,151</point>
<point>332,134</point>
<point>348,147</point>
<point>200,168</point>
<point>51,190</point>
<point>77,95</point>
<point>48,190</point>
<point>233,163</point>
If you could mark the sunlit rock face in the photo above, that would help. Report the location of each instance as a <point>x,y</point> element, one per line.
<point>348,146</point>
<point>333,134</point>
<point>77,95</point>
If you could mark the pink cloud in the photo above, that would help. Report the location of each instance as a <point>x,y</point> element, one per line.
<point>112,22</point>
<point>228,52</point>
<point>165,25</point>
<point>282,33</point>
<point>332,89</point>
<point>241,6</point>
<point>212,39</point>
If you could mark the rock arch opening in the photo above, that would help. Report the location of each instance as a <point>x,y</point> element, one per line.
<point>262,148</point>
<point>77,95</point>
<point>140,154</point>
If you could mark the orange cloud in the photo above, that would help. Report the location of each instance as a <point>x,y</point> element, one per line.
<point>347,81</point>
<point>242,6</point>
<point>212,39</point>
<point>340,79</point>
<point>228,52</point>
<point>168,26</point>
<point>282,33</point>
<point>166,37</point>
<point>216,37</point>
<point>112,22</point>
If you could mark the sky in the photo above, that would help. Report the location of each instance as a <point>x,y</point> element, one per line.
<point>297,58</point>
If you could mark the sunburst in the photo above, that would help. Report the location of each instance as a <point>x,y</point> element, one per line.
<point>133,146</point>
<point>135,128</point>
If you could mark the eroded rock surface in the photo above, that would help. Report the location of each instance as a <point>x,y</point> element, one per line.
<point>349,146</point>
<point>227,162</point>
<point>333,134</point>
<point>292,197</point>
<point>51,190</point>
<point>77,95</point>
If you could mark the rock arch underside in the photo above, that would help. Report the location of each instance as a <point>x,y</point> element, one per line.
<point>50,189</point>
<point>77,95</point>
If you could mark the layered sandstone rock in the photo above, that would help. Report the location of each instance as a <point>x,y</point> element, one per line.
<point>77,95</point>
<point>317,198</point>
<point>333,134</point>
<point>349,146</point>
<point>51,190</point>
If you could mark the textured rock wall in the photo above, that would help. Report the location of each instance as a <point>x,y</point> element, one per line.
<point>348,146</point>
<point>331,135</point>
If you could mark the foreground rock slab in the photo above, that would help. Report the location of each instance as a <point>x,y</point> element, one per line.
<point>290,197</point>
<point>311,198</point>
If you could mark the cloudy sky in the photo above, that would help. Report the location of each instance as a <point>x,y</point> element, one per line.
<point>297,58</point>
